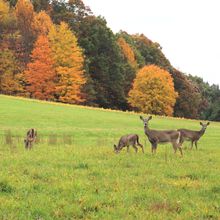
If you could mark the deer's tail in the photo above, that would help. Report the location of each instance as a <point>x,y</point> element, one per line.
<point>178,138</point>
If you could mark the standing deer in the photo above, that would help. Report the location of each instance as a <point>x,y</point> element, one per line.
<point>30,138</point>
<point>192,136</point>
<point>126,141</point>
<point>158,137</point>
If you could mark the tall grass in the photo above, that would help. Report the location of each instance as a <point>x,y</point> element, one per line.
<point>73,173</point>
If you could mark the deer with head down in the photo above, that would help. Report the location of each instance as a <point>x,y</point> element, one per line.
<point>126,141</point>
<point>193,136</point>
<point>30,138</point>
<point>159,137</point>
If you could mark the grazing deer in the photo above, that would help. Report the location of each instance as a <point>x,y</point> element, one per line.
<point>30,138</point>
<point>158,137</point>
<point>126,141</point>
<point>193,136</point>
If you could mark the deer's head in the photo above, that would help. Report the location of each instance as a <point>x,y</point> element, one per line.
<point>146,120</point>
<point>204,126</point>
<point>116,149</point>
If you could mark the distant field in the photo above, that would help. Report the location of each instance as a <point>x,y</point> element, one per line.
<point>73,173</point>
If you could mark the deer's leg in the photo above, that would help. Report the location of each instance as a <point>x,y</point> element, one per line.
<point>127,148</point>
<point>154,147</point>
<point>134,146</point>
<point>28,145</point>
<point>180,149</point>
<point>174,147</point>
<point>191,145</point>
<point>140,145</point>
<point>196,145</point>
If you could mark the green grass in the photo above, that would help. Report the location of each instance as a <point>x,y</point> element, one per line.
<point>73,173</point>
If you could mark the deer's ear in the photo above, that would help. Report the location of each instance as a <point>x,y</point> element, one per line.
<point>208,123</point>
<point>201,123</point>
<point>150,117</point>
<point>141,118</point>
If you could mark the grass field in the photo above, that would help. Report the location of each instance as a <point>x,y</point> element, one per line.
<point>73,173</point>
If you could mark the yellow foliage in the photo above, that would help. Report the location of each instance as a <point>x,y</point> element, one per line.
<point>69,62</point>
<point>4,11</point>
<point>153,91</point>
<point>41,23</point>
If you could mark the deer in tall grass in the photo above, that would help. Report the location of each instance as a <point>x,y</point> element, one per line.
<point>126,141</point>
<point>161,136</point>
<point>193,136</point>
<point>30,138</point>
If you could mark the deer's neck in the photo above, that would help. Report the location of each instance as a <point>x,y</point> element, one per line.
<point>201,132</point>
<point>147,130</point>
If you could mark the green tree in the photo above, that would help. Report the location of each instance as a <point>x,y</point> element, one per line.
<point>71,12</point>
<point>104,61</point>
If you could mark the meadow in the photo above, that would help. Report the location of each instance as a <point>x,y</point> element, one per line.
<point>73,173</point>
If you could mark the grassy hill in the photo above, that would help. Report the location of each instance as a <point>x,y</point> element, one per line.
<point>73,173</point>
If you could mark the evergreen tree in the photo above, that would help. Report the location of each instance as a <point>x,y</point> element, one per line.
<point>105,62</point>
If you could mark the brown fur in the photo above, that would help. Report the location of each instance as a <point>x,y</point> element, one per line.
<point>126,141</point>
<point>193,136</point>
<point>158,137</point>
<point>30,138</point>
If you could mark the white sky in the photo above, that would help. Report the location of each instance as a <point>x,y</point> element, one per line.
<point>187,30</point>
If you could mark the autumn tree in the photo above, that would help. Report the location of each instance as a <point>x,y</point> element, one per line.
<point>69,63</point>
<point>9,73</point>
<point>129,65</point>
<point>153,91</point>
<point>129,39</point>
<point>127,52</point>
<point>151,51</point>
<point>188,103</point>
<point>41,23</point>
<point>8,27</point>
<point>40,72</point>
<point>209,105</point>
<point>25,16</point>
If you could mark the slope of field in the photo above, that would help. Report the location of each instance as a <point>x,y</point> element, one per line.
<point>73,173</point>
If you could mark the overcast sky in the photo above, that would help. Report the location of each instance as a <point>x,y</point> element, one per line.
<point>187,30</point>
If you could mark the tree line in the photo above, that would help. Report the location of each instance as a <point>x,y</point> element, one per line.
<point>59,51</point>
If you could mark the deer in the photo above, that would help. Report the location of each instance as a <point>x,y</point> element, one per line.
<point>30,138</point>
<point>156,137</point>
<point>193,136</point>
<point>126,141</point>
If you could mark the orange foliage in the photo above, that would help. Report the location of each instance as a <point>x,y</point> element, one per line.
<point>127,51</point>
<point>153,91</point>
<point>40,73</point>
<point>69,64</point>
